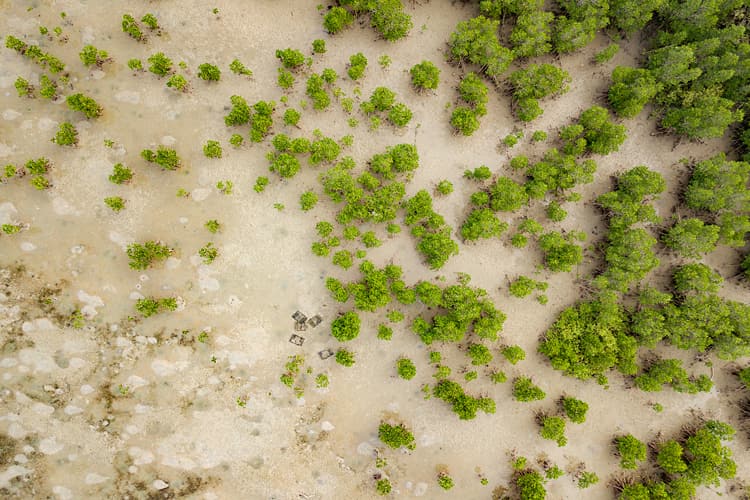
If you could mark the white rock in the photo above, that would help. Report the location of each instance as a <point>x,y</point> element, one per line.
<point>135,296</point>
<point>200,194</point>
<point>41,362</point>
<point>50,446</point>
<point>327,426</point>
<point>168,140</point>
<point>8,362</point>
<point>183,220</point>
<point>91,301</point>
<point>42,409</point>
<point>7,211</point>
<point>46,124</point>
<point>16,431</point>
<point>62,492</point>
<point>20,458</point>
<point>118,238</point>
<point>10,114</point>
<point>94,478</point>
<point>76,363</point>
<point>134,382</point>
<point>160,485</point>
<point>420,489</point>
<point>12,472</point>
<point>62,207</point>
<point>366,449</point>
<point>129,96</point>
<point>27,246</point>
<point>86,389</point>
<point>98,74</point>
<point>72,410</point>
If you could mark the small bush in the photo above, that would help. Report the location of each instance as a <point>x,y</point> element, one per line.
<point>160,64</point>
<point>406,369</point>
<point>357,65</point>
<point>84,104</point>
<point>209,72</point>
<point>66,135</point>
<point>396,436</point>
<point>425,76</point>
<point>525,390</point>
<point>575,409</point>
<point>212,149</point>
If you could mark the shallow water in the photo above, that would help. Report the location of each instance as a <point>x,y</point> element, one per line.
<point>126,408</point>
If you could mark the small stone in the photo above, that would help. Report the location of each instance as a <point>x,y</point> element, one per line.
<point>160,485</point>
<point>327,426</point>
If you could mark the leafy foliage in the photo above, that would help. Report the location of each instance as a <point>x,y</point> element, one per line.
<point>84,104</point>
<point>425,76</point>
<point>396,436</point>
<point>589,338</point>
<point>631,451</point>
<point>143,255</point>
<point>475,41</point>
<point>525,390</point>
<point>575,409</point>
<point>553,428</point>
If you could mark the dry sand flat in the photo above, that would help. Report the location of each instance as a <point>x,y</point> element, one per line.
<point>142,410</point>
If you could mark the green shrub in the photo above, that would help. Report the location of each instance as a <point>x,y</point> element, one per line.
<point>116,203</point>
<point>553,428</point>
<point>160,64</point>
<point>346,327</point>
<point>357,65</point>
<point>150,306</point>
<point>130,27</point>
<point>525,390</point>
<point>23,87</point>
<point>212,149</point>
<point>337,19</point>
<point>406,369</point>
<point>143,255</point>
<point>47,87</point>
<point>84,104</point>
<point>150,21</point>
<point>209,72</point>
<point>425,76</point>
<point>308,200</point>
<point>445,481</point>
<point>399,115</point>
<point>319,46</point>
<point>396,436</point>
<point>383,486</point>
<point>631,451</point>
<point>120,174</point>
<point>575,409</point>
<point>208,253</point>
<point>514,354</point>
<point>606,53</point>
<point>238,68</point>
<point>91,56</point>
<point>66,135</point>
<point>165,157</point>
<point>178,82</point>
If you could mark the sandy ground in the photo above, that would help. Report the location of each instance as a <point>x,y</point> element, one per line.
<point>142,409</point>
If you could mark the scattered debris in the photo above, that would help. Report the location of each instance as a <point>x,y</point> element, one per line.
<point>299,317</point>
<point>325,353</point>
<point>315,320</point>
